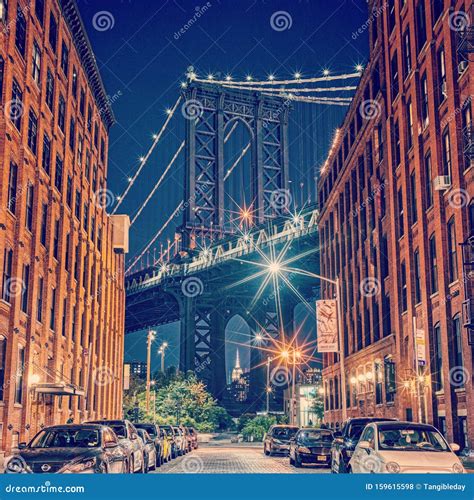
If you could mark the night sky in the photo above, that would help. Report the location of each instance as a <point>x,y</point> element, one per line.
<point>143,57</point>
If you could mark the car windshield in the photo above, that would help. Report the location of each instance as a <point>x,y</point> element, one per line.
<point>315,436</point>
<point>67,438</point>
<point>411,439</point>
<point>149,428</point>
<point>284,432</point>
<point>355,431</point>
<point>120,430</point>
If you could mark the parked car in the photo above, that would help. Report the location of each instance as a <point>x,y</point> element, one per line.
<point>404,447</point>
<point>166,441</point>
<point>467,458</point>
<point>173,439</point>
<point>311,446</point>
<point>194,437</point>
<point>188,441</point>
<point>346,440</point>
<point>73,448</point>
<point>128,438</point>
<point>277,439</point>
<point>149,450</point>
<point>181,440</point>
<point>157,436</point>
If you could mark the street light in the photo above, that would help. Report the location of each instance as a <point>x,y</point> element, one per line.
<point>269,389</point>
<point>153,384</point>
<point>161,351</point>
<point>150,338</point>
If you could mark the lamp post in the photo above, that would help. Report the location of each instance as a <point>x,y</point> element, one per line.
<point>150,338</point>
<point>161,351</point>
<point>153,383</point>
<point>268,388</point>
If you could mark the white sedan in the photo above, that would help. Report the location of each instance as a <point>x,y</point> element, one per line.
<point>404,447</point>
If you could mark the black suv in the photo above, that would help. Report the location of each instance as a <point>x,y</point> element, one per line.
<point>345,441</point>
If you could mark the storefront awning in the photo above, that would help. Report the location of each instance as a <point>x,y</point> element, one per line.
<point>59,389</point>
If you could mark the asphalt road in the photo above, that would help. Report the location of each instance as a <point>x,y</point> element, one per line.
<point>238,459</point>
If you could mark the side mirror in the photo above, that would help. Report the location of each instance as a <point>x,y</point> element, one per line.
<point>454,447</point>
<point>365,445</point>
<point>110,444</point>
<point>22,446</point>
<point>134,436</point>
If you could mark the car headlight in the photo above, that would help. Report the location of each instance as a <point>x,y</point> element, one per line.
<point>16,465</point>
<point>83,465</point>
<point>303,449</point>
<point>392,467</point>
<point>458,468</point>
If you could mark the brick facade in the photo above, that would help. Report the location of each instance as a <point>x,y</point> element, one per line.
<point>395,197</point>
<point>62,296</point>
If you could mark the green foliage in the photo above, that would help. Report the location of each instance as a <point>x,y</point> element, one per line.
<point>179,399</point>
<point>255,429</point>
<point>317,405</point>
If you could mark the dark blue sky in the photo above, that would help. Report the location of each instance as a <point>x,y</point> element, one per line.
<point>142,63</point>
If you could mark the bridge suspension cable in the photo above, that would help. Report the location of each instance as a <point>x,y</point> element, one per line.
<point>265,83</point>
<point>157,235</point>
<point>296,89</point>
<point>321,100</point>
<point>150,151</point>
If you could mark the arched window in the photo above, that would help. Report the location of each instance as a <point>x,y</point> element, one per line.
<point>452,251</point>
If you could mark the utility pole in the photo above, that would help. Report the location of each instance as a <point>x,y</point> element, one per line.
<point>150,338</point>
<point>268,388</point>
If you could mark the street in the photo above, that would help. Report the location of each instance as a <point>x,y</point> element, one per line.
<point>234,459</point>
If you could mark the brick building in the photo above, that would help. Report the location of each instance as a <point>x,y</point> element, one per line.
<point>395,198</point>
<point>61,261</point>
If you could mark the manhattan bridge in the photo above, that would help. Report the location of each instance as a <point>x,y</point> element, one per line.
<point>248,247</point>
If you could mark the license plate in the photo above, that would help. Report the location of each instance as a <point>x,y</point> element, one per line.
<point>321,457</point>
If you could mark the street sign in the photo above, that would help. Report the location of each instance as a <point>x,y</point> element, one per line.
<point>420,343</point>
<point>326,325</point>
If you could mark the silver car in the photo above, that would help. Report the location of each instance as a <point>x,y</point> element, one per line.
<point>129,439</point>
<point>149,450</point>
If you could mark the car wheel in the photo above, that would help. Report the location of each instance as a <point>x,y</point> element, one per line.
<point>297,461</point>
<point>143,469</point>
<point>342,469</point>
<point>103,469</point>
<point>292,462</point>
<point>132,466</point>
<point>152,465</point>
<point>265,450</point>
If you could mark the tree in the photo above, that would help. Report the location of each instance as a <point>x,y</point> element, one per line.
<point>256,428</point>
<point>317,405</point>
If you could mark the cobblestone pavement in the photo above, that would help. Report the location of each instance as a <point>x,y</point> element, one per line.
<point>228,459</point>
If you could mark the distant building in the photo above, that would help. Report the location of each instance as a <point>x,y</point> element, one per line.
<point>239,386</point>
<point>305,395</point>
<point>138,369</point>
<point>237,371</point>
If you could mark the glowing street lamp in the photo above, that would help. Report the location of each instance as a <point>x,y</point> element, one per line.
<point>150,338</point>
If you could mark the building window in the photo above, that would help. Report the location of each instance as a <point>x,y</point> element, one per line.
<point>16,107</point>
<point>391,15</point>
<point>36,64</point>
<point>416,264</point>
<point>433,265</point>
<point>409,111</point>
<point>39,11</point>
<point>29,207</point>
<point>72,133</point>
<point>457,350</point>
<point>403,287</point>
<point>424,101</point>
<point>53,32</point>
<point>61,113</point>
<point>77,203</point>
<point>406,53</point>
<point>443,91</point>
<point>2,72</point>
<point>390,380</point>
<point>378,383</point>
<point>401,223</point>
<point>471,218</point>
<point>3,15</point>
<point>74,82</point>
<point>46,154</point>
<point>58,179</point>
<point>437,7</point>
<point>64,58</point>
<point>379,142</point>
<point>446,151</point>
<point>25,288</point>
<point>67,256</point>
<point>64,322</point>
<point>56,240</point>
<point>3,359</point>
<point>452,251</point>
<point>413,202</point>
<point>82,102</point>
<point>20,33</point>
<point>468,133</point>
<point>428,182</point>
<point>394,73</point>
<point>420,24</point>
<point>20,370</point>
<point>32,131</point>
<point>7,274</point>
<point>12,187</point>
<point>69,191</point>
<point>39,300</point>
<point>44,221</point>
<point>49,98</point>
<point>52,313</point>
<point>396,147</point>
<point>437,365</point>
